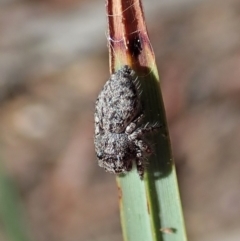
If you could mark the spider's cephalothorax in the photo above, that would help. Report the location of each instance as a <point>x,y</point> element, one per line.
<point>118,136</point>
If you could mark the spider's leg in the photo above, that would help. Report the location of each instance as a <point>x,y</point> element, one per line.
<point>142,146</point>
<point>140,164</point>
<point>132,126</point>
<point>143,130</point>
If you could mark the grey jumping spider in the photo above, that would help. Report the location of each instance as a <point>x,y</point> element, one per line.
<point>118,139</point>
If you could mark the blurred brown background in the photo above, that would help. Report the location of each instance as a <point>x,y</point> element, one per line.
<point>54,61</point>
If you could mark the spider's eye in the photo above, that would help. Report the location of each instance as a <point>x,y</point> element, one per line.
<point>99,155</point>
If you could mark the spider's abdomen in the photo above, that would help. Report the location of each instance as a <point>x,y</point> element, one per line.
<point>118,102</point>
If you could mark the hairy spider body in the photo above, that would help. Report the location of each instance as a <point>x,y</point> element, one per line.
<point>118,139</point>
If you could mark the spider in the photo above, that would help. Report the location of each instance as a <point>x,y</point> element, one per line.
<point>118,136</point>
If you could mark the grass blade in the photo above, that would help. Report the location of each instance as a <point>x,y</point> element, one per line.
<point>150,209</point>
<point>10,210</point>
